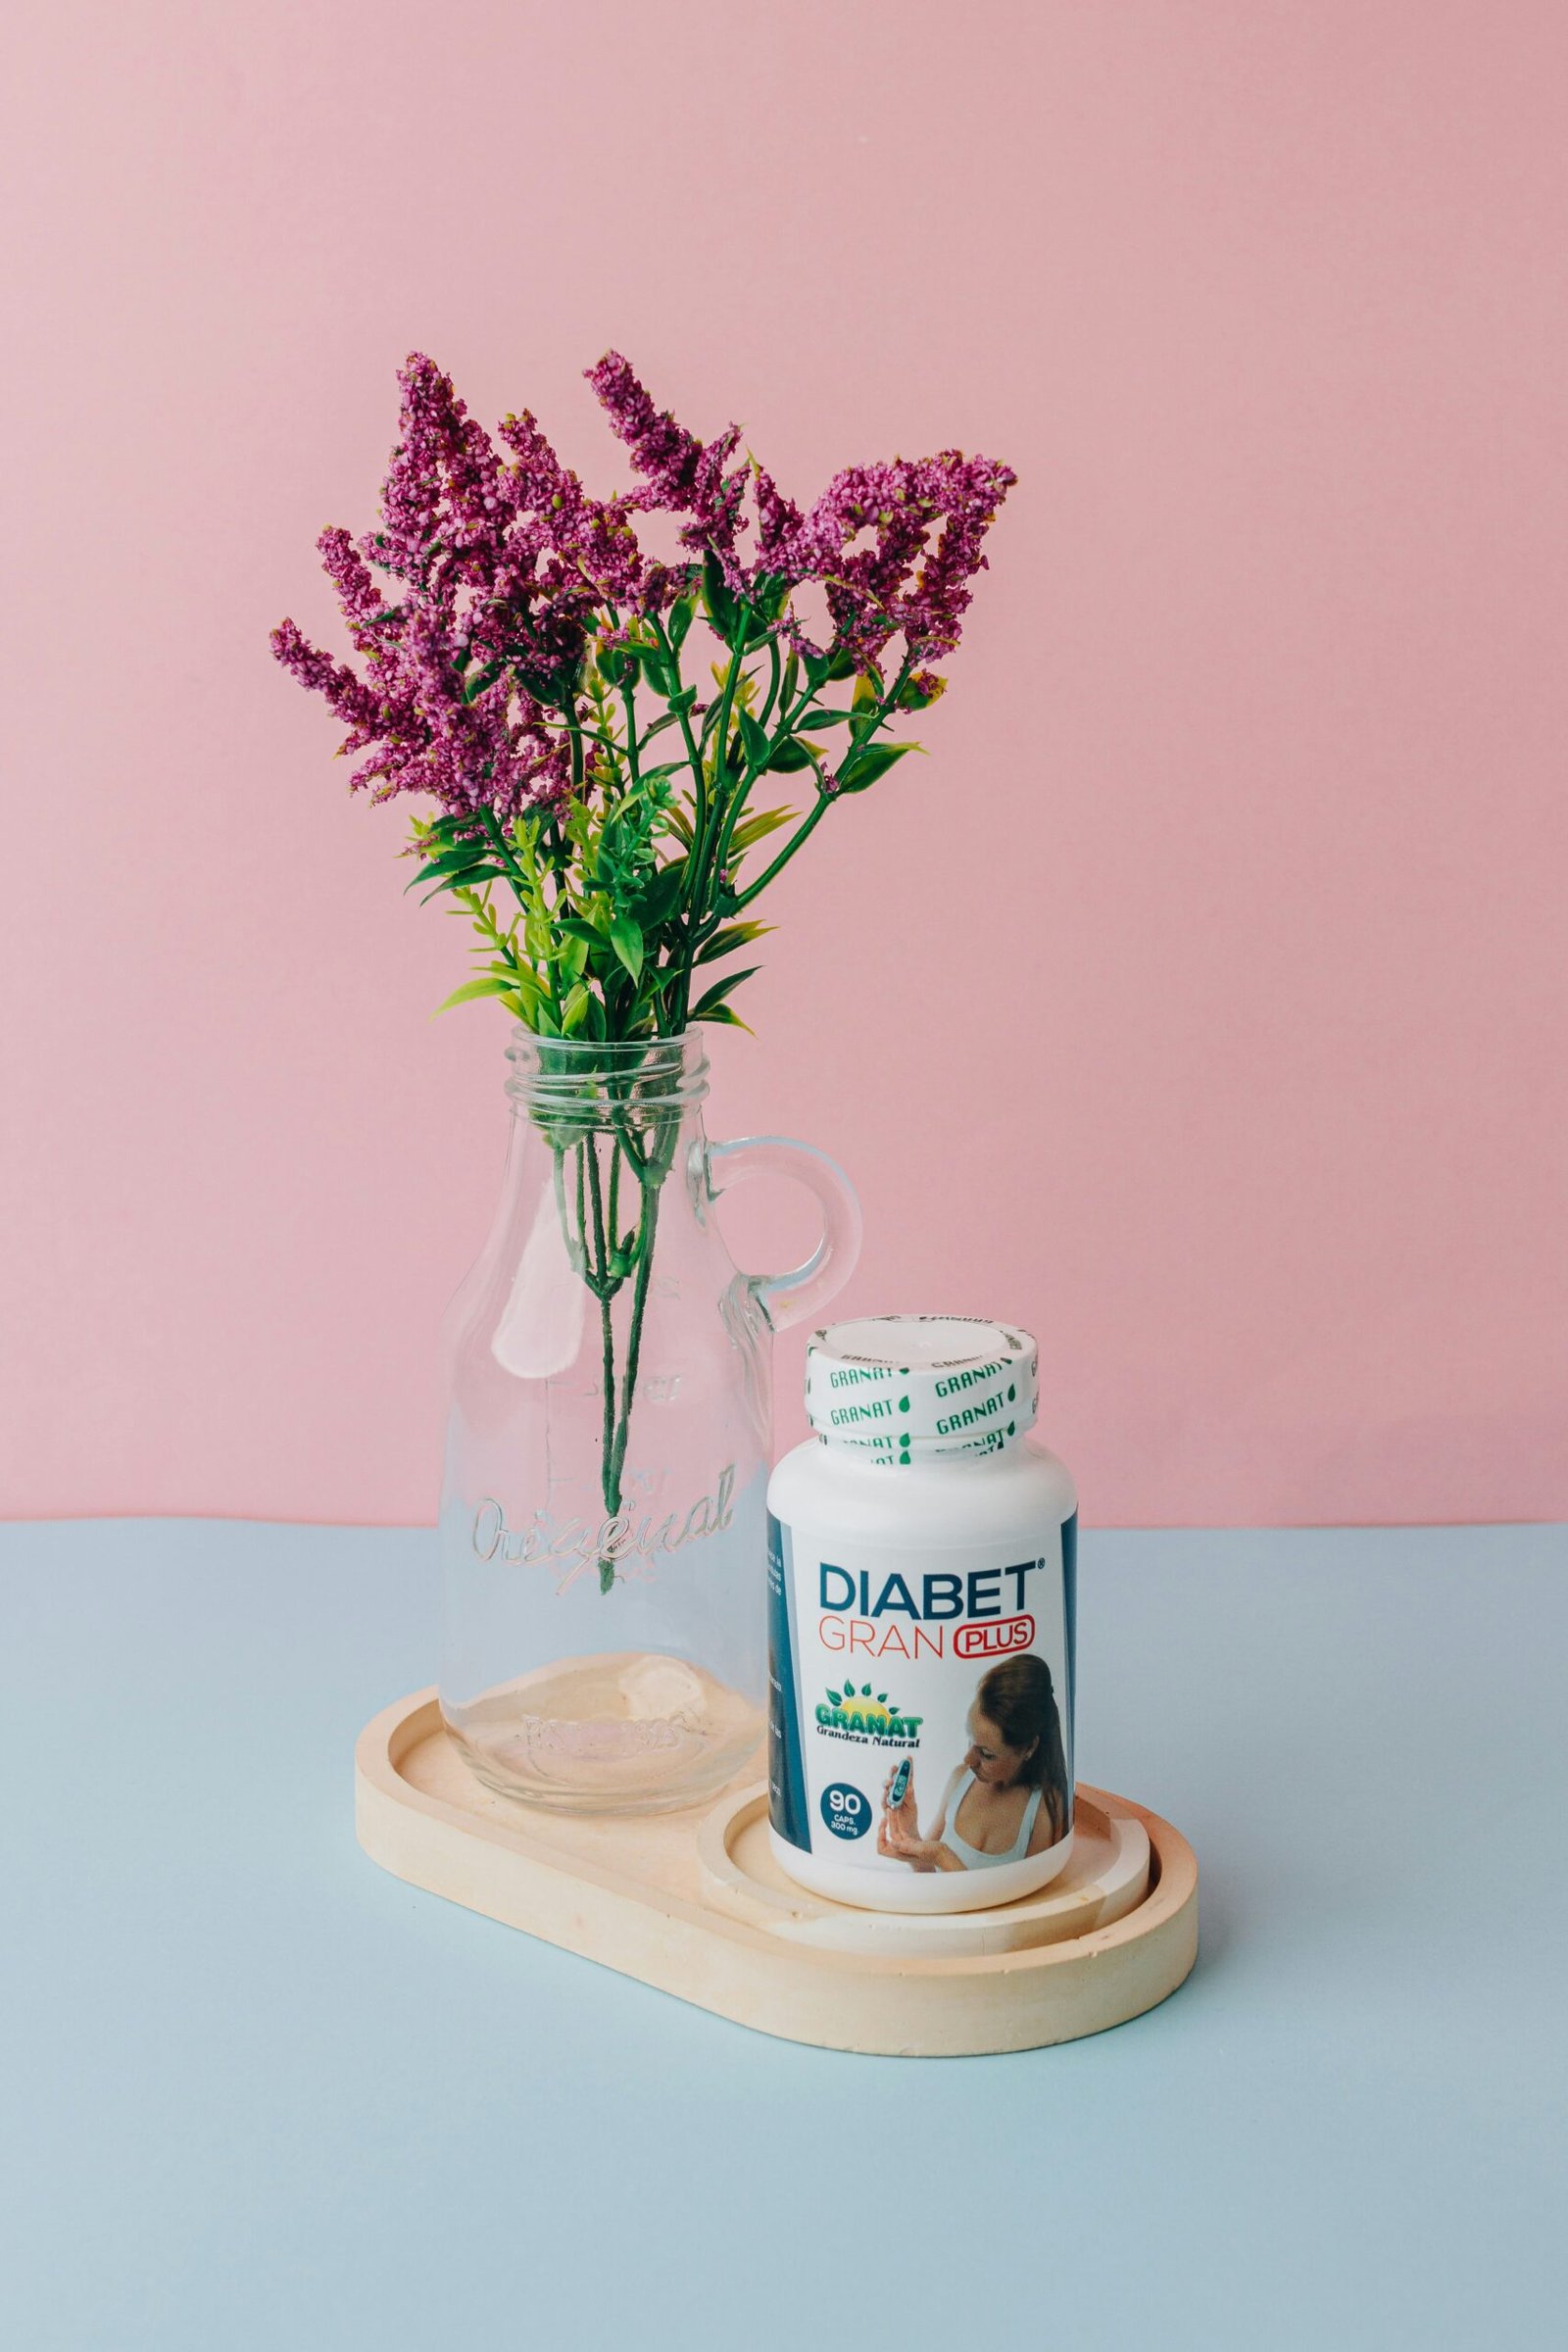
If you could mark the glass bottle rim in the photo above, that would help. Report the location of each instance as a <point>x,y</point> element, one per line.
<point>653,1072</point>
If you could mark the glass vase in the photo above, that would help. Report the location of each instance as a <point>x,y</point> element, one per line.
<point>603,1516</point>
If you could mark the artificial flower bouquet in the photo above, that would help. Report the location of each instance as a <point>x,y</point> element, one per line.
<point>618,754</point>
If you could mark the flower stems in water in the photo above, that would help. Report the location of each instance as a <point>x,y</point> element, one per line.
<point>607,1258</point>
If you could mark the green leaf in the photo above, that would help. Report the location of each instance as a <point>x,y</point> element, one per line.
<point>574,1011</point>
<point>823,718</point>
<point>732,935</point>
<point>866,692</point>
<point>755,738</point>
<point>683,701</point>
<point>655,669</point>
<point>680,619</point>
<point>752,829</point>
<point>787,758</point>
<point>573,957</point>
<point>489,983</point>
<point>718,602</point>
<point>468,846</point>
<point>576,926</point>
<point>872,760</point>
<point>727,1017</point>
<point>770,592</point>
<point>452,861</point>
<point>658,902</point>
<point>626,938</point>
<point>706,1006</point>
<point>841,664</point>
<point>527,986</point>
<point>467,877</point>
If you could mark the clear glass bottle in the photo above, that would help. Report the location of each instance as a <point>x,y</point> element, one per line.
<point>602,1514</point>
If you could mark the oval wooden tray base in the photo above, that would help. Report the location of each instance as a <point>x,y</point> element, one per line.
<point>695,1904</point>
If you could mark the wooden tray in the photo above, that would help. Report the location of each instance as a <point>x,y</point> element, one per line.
<point>694,1904</point>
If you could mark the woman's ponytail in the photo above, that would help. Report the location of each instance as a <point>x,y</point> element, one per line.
<point>1018,1697</point>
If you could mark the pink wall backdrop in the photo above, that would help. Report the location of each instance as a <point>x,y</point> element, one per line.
<point>1198,1003</point>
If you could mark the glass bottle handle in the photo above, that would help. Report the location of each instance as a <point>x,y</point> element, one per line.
<point>789,1297</point>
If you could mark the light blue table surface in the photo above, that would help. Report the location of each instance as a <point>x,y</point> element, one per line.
<point>257,2093</point>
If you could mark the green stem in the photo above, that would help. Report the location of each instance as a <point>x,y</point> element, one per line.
<point>751,775</point>
<point>628,695</point>
<point>877,716</point>
<point>482,919</point>
<point>608,1485</point>
<point>694,757</point>
<point>767,712</point>
<point>824,803</point>
<point>604,1262</point>
<point>605,1289</point>
<point>726,705</point>
<point>618,1407</point>
<point>682,972</point>
<point>568,711</point>
<point>648,1228</point>
<point>503,852</point>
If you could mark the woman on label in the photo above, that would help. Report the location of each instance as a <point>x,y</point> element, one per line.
<point>1009,1798</point>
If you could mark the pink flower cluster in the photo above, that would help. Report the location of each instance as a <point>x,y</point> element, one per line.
<point>864,537</point>
<point>497,572</point>
<point>501,569</point>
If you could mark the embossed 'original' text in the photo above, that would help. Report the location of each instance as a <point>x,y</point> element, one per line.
<point>632,1541</point>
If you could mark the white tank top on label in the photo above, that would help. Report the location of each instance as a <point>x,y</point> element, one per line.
<point>970,1856</point>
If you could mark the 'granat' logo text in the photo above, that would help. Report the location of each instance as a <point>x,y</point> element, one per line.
<point>853,1714</point>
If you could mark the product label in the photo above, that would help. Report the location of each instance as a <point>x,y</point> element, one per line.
<point>920,1703</point>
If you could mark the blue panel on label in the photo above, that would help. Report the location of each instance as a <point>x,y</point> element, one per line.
<point>1069,1613</point>
<point>786,1769</point>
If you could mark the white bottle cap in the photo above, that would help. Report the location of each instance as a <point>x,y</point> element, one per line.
<point>906,1388</point>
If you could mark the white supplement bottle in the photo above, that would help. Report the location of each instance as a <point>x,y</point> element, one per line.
<point>921,1600</point>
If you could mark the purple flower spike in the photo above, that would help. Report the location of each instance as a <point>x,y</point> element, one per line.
<point>475,602</point>
<point>663,452</point>
<point>350,701</point>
